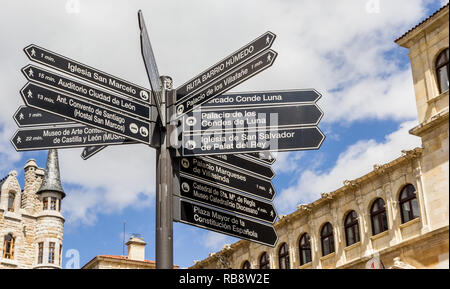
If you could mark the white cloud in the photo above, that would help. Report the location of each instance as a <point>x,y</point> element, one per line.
<point>356,161</point>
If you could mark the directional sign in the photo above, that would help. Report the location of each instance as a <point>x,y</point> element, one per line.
<point>230,80</point>
<point>119,103</point>
<point>218,221</point>
<point>90,151</point>
<point>225,176</point>
<point>235,142</point>
<point>251,99</point>
<point>85,72</point>
<point>31,117</point>
<point>149,60</point>
<point>62,137</point>
<point>218,70</point>
<point>224,199</point>
<point>263,117</point>
<point>246,164</point>
<point>85,112</point>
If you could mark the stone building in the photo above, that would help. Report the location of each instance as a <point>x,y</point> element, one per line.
<point>396,216</point>
<point>134,260</point>
<point>31,223</point>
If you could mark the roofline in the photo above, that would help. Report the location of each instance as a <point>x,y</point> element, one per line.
<point>422,22</point>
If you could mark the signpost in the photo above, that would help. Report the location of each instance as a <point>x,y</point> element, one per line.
<point>87,73</point>
<point>276,140</point>
<point>212,148</point>
<point>63,137</point>
<point>85,112</point>
<point>87,92</point>
<point>229,224</point>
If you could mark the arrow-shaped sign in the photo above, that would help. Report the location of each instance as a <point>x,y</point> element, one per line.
<point>227,82</point>
<point>226,176</point>
<point>150,62</point>
<point>85,72</point>
<point>237,142</point>
<point>262,117</point>
<point>85,112</point>
<point>218,70</point>
<point>263,157</point>
<point>62,137</point>
<point>221,222</point>
<point>56,81</point>
<point>224,199</point>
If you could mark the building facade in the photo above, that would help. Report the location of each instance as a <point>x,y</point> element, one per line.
<point>134,260</point>
<point>396,216</point>
<point>31,223</point>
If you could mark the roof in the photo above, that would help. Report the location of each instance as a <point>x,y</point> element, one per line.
<point>123,258</point>
<point>423,22</point>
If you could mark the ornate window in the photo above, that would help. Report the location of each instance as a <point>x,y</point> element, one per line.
<point>40,253</point>
<point>11,198</point>
<point>264,261</point>
<point>442,70</point>
<point>51,252</point>
<point>53,203</point>
<point>60,254</point>
<point>305,249</point>
<point>327,239</point>
<point>351,228</point>
<point>8,247</point>
<point>378,216</point>
<point>45,203</point>
<point>283,257</point>
<point>246,265</point>
<point>408,204</point>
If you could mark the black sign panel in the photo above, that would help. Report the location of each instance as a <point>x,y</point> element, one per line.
<point>223,199</point>
<point>30,117</point>
<point>85,72</point>
<point>215,220</point>
<point>251,99</point>
<point>218,70</point>
<point>277,140</point>
<point>90,151</point>
<point>263,117</point>
<point>224,176</point>
<point>246,164</point>
<point>120,103</point>
<point>235,77</point>
<point>63,137</point>
<point>149,60</point>
<point>84,112</point>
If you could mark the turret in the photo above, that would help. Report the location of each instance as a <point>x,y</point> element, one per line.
<point>50,222</point>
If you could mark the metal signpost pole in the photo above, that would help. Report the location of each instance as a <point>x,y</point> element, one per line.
<point>164,202</point>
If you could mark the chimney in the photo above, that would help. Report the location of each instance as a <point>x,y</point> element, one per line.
<point>136,249</point>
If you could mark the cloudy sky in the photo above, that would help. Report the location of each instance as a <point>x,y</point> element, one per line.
<point>345,49</point>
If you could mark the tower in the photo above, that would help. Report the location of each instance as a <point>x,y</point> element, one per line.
<point>50,222</point>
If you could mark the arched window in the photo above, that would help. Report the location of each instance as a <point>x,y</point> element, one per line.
<point>305,249</point>
<point>327,239</point>
<point>283,257</point>
<point>351,228</point>
<point>378,216</point>
<point>246,265</point>
<point>40,253</point>
<point>408,204</point>
<point>264,261</point>
<point>11,198</point>
<point>442,70</point>
<point>8,247</point>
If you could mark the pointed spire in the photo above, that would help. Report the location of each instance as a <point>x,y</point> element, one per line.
<point>52,179</point>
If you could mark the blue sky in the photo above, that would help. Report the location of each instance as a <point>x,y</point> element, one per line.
<point>345,49</point>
